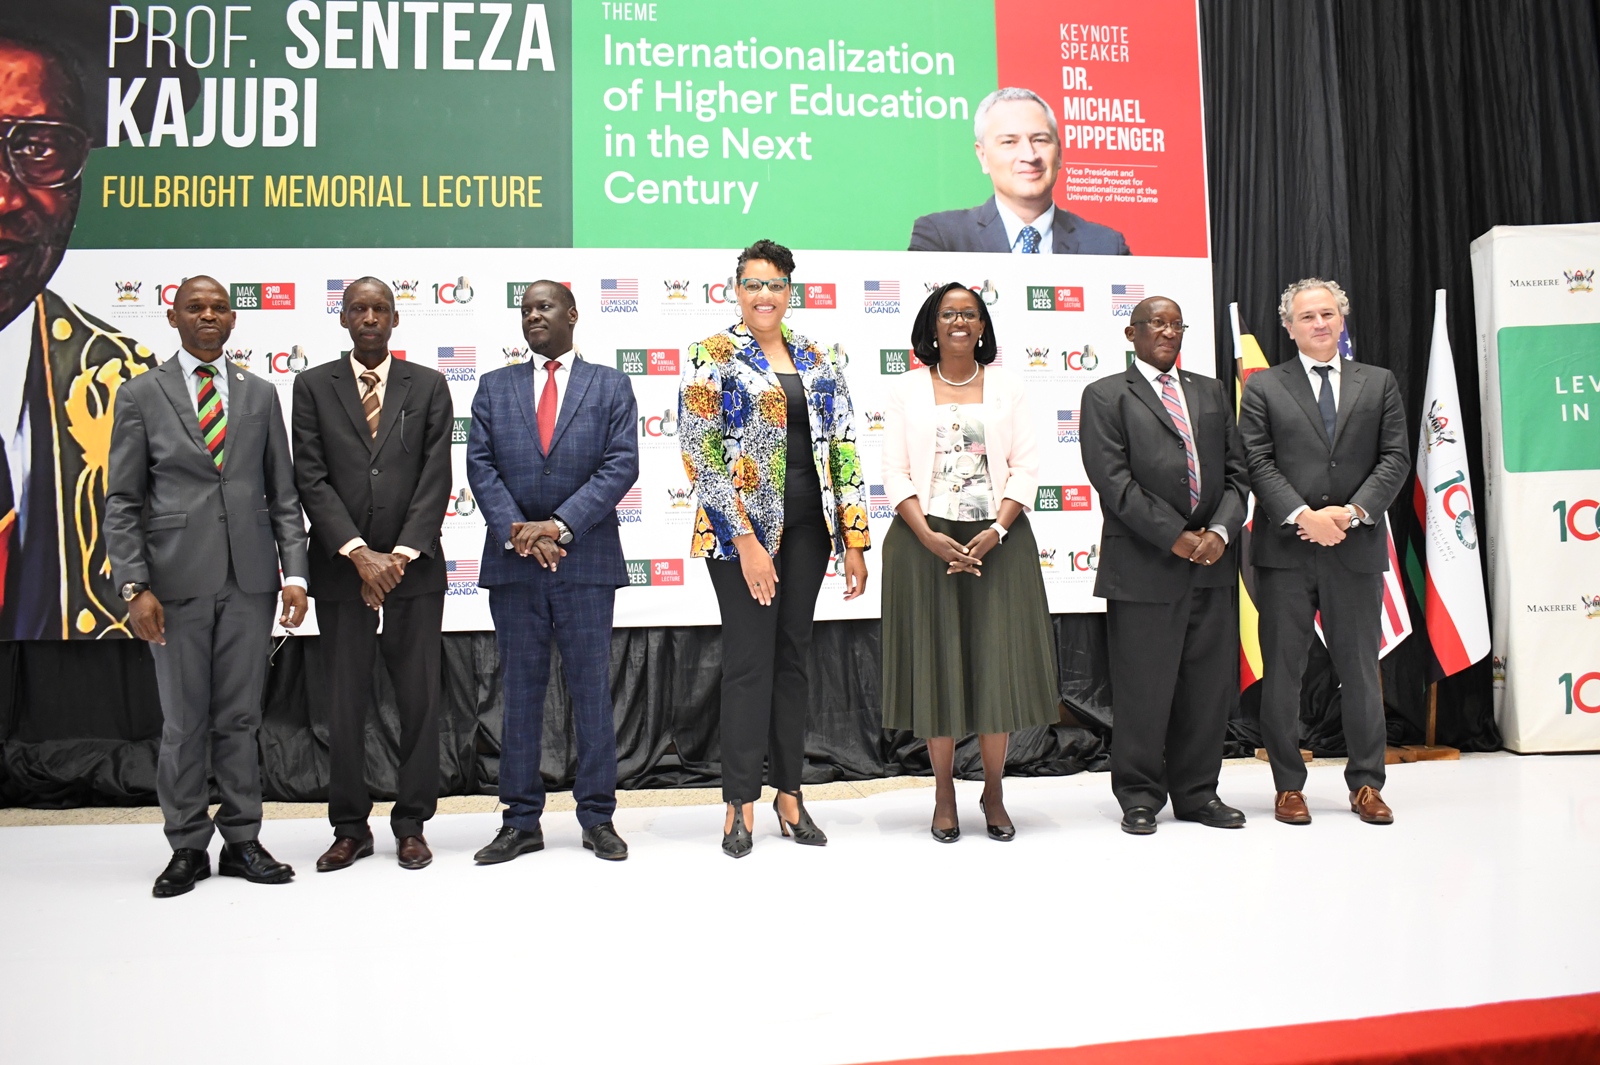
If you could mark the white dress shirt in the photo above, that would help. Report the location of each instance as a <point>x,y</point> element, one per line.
<point>1045,224</point>
<point>563,376</point>
<point>358,368</point>
<point>1336,365</point>
<point>1150,374</point>
<point>221,380</point>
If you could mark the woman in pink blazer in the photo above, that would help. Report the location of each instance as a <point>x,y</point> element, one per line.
<point>967,646</point>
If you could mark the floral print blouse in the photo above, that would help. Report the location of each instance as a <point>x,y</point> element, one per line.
<point>733,429</point>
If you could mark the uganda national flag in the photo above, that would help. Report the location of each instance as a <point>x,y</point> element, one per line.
<point>1247,359</point>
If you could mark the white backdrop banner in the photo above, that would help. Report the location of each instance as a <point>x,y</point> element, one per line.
<point>1539,372</point>
<point>1059,321</point>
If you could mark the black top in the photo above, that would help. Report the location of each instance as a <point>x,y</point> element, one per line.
<point>802,491</point>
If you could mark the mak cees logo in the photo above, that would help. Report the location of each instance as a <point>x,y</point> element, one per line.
<point>897,360</point>
<point>459,428</point>
<point>630,508</point>
<point>1068,424</point>
<point>654,572</point>
<point>263,296</point>
<point>1062,497</point>
<point>813,296</point>
<point>648,362</point>
<point>881,297</point>
<point>458,363</point>
<point>1054,298</point>
<point>515,289</point>
<point>1582,691</point>
<point>619,295</point>
<point>1579,520</point>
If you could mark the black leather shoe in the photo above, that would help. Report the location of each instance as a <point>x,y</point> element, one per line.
<point>804,830</point>
<point>737,841</point>
<point>1214,814</point>
<point>1003,833</point>
<point>178,878</point>
<point>250,860</point>
<point>604,841</point>
<point>508,843</point>
<point>1139,821</point>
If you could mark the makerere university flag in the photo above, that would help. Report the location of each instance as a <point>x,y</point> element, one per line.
<point>1451,586</point>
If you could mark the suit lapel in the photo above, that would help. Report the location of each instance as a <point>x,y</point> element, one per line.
<point>1299,387</point>
<point>1147,395</point>
<point>1349,389</point>
<point>348,389</point>
<point>582,378</point>
<point>991,231</point>
<point>171,376</point>
<point>522,378</point>
<point>1063,240</point>
<point>394,397</point>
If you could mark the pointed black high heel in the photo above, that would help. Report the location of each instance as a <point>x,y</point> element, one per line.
<point>737,842</point>
<point>805,831</point>
<point>1003,833</point>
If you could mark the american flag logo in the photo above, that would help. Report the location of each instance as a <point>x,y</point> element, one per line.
<point>462,571</point>
<point>1126,297</point>
<point>336,287</point>
<point>632,499</point>
<point>617,290</point>
<point>458,358</point>
<point>881,292</point>
<point>1068,423</point>
<point>878,496</point>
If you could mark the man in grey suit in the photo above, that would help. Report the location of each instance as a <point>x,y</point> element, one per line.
<point>1325,440</point>
<point>201,513</point>
<point>1019,147</point>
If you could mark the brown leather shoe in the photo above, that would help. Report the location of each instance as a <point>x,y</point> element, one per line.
<point>1291,808</point>
<point>1370,805</point>
<point>344,853</point>
<point>413,852</point>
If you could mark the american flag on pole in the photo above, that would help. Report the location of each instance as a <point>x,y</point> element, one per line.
<point>458,358</point>
<point>618,290</point>
<point>336,287</point>
<point>1068,422</point>
<point>1126,297</point>
<point>462,571</point>
<point>881,291</point>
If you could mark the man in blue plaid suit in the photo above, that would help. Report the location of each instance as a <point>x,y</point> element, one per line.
<point>552,449</point>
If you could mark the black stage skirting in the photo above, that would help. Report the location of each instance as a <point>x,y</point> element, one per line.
<point>79,723</point>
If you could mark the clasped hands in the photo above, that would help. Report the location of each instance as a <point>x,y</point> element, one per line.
<point>1325,527</point>
<point>1201,547</point>
<point>962,557</point>
<point>380,573</point>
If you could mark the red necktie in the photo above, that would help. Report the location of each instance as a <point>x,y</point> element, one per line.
<point>548,407</point>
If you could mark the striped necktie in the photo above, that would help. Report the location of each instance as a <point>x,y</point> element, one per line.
<point>370,404</point>
<point>1169,399</point>
<point>213,418</point>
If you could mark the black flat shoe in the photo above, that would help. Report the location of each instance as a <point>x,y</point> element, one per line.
<point>736,842</point>
<point>805,831</point>
<point>509,843</point>
<point>1139,821</point>
<point>1003,833</point>
<point>187,866</point>
<point>250,860</point>
<point>604,841</point>
<point>1214,814</point>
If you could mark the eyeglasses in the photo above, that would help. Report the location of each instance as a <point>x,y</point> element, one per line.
<point>968,315</point>
<point>1156,325</point>
<point>778,285</point>
<point>43,153</point>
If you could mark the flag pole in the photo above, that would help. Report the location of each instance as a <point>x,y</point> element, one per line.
<point>1433,715</point>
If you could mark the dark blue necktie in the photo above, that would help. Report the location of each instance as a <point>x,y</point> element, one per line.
<point>1030,240</point>
<point>1330,417</point>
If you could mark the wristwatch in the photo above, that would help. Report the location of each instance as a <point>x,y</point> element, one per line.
<point>566,533</point>
<point>1000,531</point>
<point>131,590</point>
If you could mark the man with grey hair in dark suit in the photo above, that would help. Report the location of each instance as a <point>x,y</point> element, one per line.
<point>1019,147</point>
<point>201,514</point>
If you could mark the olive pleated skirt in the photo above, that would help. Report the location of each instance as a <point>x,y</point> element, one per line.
<point>964,654</point>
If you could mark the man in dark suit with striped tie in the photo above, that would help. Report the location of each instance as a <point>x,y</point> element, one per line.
<point>553,446</point>
<point>1159,445</point>
<point>201,514</point>
<point>372,461</point>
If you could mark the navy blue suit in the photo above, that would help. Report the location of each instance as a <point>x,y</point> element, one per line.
<point>593,459</point>
<point>980,229</point>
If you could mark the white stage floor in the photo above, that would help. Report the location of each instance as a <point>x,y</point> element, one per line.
<point>883,945</point>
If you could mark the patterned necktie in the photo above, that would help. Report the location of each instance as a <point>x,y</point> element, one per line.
<point>1030,240</point>
<point>548,407</point>
<point>370,404</point>
<point>213,419</point>
<point>1169,399</point>
<point>1330,416</point>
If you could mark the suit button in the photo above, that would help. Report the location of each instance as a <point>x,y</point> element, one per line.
<point>222,517</point>
<point>1324,499</point>
<point>1330,464</point>
<point>374,473</point>
<point>547,471</point>
<point>224,480</point>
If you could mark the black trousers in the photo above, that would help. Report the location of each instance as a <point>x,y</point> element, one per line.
<point>411,648</point>
<point>1174,667</point>
<point>766,654</point>
<point>1351,604</point>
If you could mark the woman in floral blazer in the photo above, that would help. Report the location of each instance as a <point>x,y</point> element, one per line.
<point>768,439</point>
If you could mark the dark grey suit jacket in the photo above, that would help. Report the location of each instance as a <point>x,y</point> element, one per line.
<point>980,229</point>
<point>1137,462</point>
<point>173,520</point>
<point>1291,462</point>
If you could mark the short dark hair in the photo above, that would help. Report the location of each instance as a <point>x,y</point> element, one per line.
<point>369,280</point>
<point>925,329</point>
<point>769,251</point>
<point>563,293</point>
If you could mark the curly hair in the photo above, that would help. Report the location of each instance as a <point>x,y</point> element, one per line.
<point>1286,301</point>
<point>769,251</point>
<point>925,329</point>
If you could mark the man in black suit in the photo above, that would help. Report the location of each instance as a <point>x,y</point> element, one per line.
<point>201,516</point>
<point>372,460</point>
<point>1325,439</point>
<point>1019,147</point>
<point>1160,447</point>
